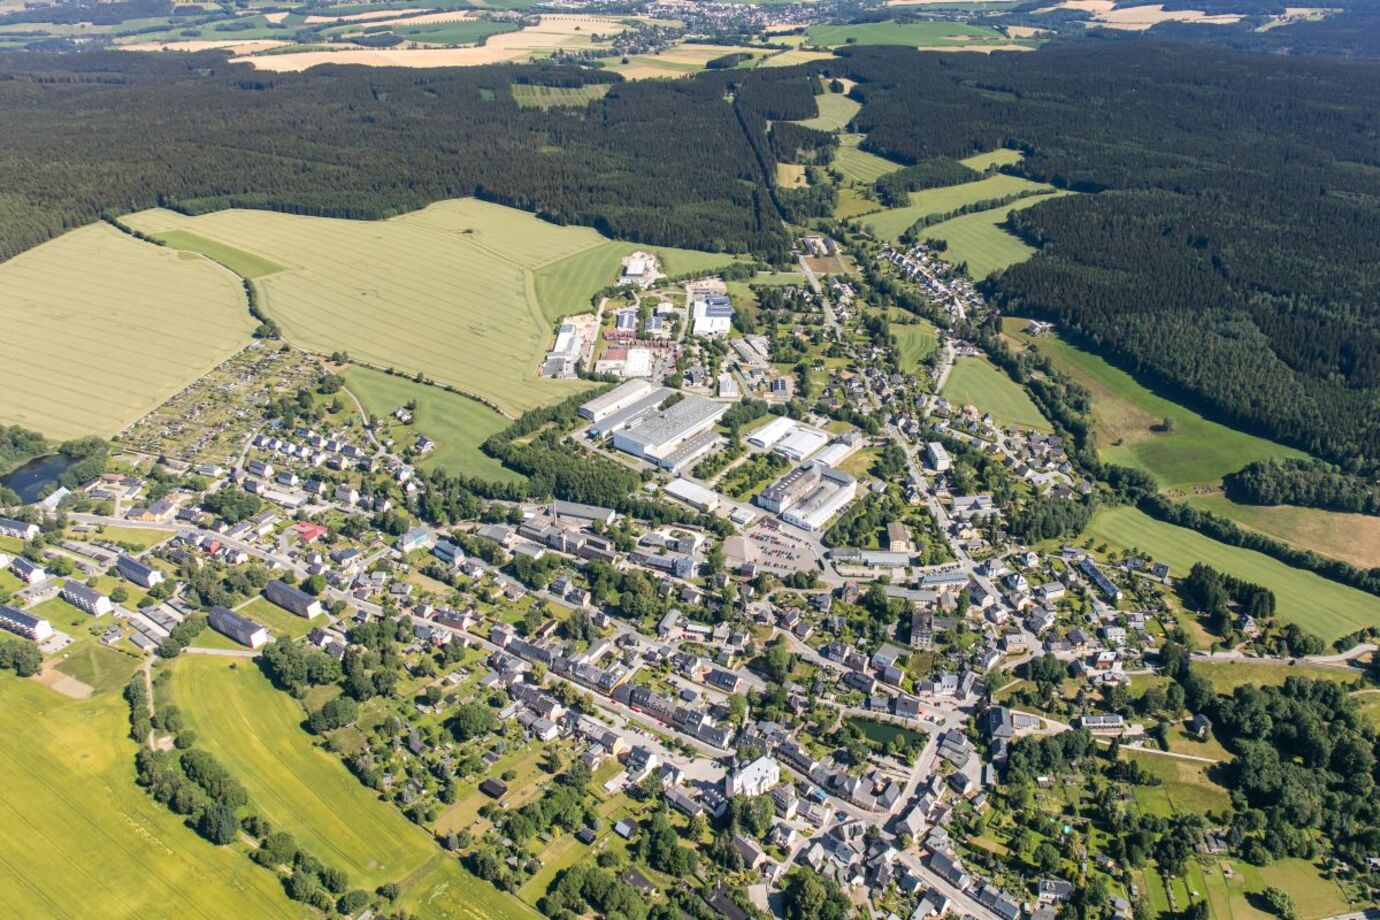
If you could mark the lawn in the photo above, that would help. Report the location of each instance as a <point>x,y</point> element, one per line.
<point>914,343</point>
<point>256,732</point>
<point>447,290</point>
<point>245,264</point>
<point>1329,609</point>
<point>531,96</point>
<point>976,382</point>
<point>835,112</point>
<point>858,165</point>
<point>923,34</point>
<point>978,240</point>
<point>893,222</point>
<point>82,840</point>
<point>456,423</point>
<point>279,621</point>
<point>140,537</point>
<point>102,669</point>
<point>1226,676</point>
<point>1002,156</point>
<point>568,285</point>
<point>1368,703</point>
<point>1125,413</point>
<point>100,328</point>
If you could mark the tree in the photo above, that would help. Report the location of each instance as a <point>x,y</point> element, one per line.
<point>472,720</point>
<point>1047,857</point>
<point>809,896</point>
<point>218,824</point>
<point>1279,903</point>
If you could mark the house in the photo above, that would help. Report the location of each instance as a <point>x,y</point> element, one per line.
<point>25,624</point>
<point>86,599</point>
<point>751,854</point>
<point>145,576</point>
<point>414,539</point>
<point>1103,724</point>
<point>494,788</point>
<point>240,628</point>
<point>293,600</point>
<point>1054,889</point>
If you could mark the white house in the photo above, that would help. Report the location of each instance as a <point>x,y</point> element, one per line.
<point>757,778</point>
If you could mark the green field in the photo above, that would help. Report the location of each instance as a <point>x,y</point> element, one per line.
<point>102,669</point>
<point>82,840</point>
<point>456,423</point>
<point>836,110</point>
<point>100,328</point>
<point>1002,156</point>
<point>979,241</point>
<point>892,222</point>
<point>924,34</point>
<point>1184,786</point>
<point>858,165</point>
<point>976,382</point>
<point>531,96</point>
<point>1196,451</point>
<point>566,286</point>
<point>914,343</point>
<point>462,32</point>
<point>1324,607</point>
<point>1226,676</point>
<point>245,264</point>
<point>1353,538</point>
<point>447,290</point>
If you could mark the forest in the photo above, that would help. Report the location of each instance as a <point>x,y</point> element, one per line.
<point>1309,483</point>
<point>1227,244</point>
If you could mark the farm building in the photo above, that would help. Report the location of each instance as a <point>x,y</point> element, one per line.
<point>87,599</point>
<point>242,629</point>
<point>293,600</point>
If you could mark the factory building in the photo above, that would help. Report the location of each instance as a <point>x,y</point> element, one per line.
<point>674,437</point>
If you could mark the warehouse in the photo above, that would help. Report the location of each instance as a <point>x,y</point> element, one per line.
<point>801,443</point>
<point>632,413</point>
<point>834,490</point>
<point>694,495</point>
<point>659,438</point>
<point>620,397</point>
<point>773,431</point>
<point>838,452</point>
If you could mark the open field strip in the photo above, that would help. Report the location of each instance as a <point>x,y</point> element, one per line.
<point>1225,676</point>
<point>82,840</point>
<point>100,328</point>
<point>245,264</point>
<point>1138,18</point>
<point>794,56</point>
<point>979,241</point>
<point>1353,538</point>
<point>975,382</point>
<point>677,61</point>
<point>892,222</point>
<point>999,157</point>
<point>1124,412</point>
<point>1324,607</point>
<point>446,290</point>
<point>456,423</point>
<point>922,34</point>
<point>545,97</point>
<point>835,112</point>
<point>859,165</point>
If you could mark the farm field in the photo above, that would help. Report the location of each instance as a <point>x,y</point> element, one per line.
<point>914,343</point>
<point>459,271</point>
<point>1226,676</point>
<point>101,328</point>
<point>892,222</point>
<point>979,240</point>
<point>464,32</point>
<point>999,157</point>
<point>859,165</point>
<point>791,175</point>
<point>245,264</point>
<point>73,814</point>
<point>923,34</point>
<point>456,423</point>
<point>676,61</point>
<point>792,57</point>
<point>545,97</point>
<point>1354,538</point>
<point>1196,451</point>
<point>975,382</point>
<point>1329,609</point>
<point>836,110</point>
<point>567,285</point>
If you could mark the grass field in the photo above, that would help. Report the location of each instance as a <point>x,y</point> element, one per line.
<point>1226,676</point>
<point>923,34</point>
<point>979,241</point>
<point>999,157</point>
<point>82,840</point>
<point>1196,451</point>
<point>892,222</point>
<point>858,165</point>
<point>1368,704</point>
<point>566,286</point>
<point>836,110</point>
<point>447,290</point>
<point>1354,538</point>
<point>1324,607</point>
<point>100,328</point>
<point>1184,789</point>
<point>545,97</point>
<point>456,423</point>
<point>463,32</point>
<point>791,175</point>
<point>102,669</point>
<point>245,264</point>
<point>975,382</point>
<point>914,343</point>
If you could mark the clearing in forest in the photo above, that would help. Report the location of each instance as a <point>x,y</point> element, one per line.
<point>891,223</point>
<point>835,112</point>
<point>976,382</point>
<point>100,328</point>
<point>979,241</point>
<point>1002,156</point>
<point>532,96</point>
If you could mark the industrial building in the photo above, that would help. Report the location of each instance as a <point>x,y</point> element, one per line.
<point>713,315</point>
<point>801,443</point>
<point>620,397</point>
<point>674,437</point>
<point>773,431</point>
<point>694,495</point>
<point>808,496</point>
<point>631,412</point>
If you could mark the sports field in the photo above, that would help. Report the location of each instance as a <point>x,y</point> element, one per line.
<point>100,328</point>
<point>979,241</point>
<point>1324,607</point>
<point>456,423</point>
<point>999,157</point>
<point>975,382</point>
<point>924,34</point>
<point>1125,413</point>
<point>914,343</point>
<point>545,97</point>
<point>82,840</point>
<point>447,290</point>
<point>893,222</point>
<point>858,165</point>
<point>836,110</point>
<point>567,285</point>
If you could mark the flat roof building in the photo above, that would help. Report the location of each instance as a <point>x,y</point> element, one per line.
<point>620,397</point>
<point>657,436</point>
<point>801,443</point>
<point>773,431</point>
<point>694,495</point>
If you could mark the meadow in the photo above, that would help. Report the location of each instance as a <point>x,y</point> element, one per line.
<point>836,110</point>
<point>447,290</point>
<point>456,423</point>
<point>100,328</point>
<point>892,222</point>
<point>464,32</point>
<point>914,343</point>
<point>82,840</point>
<point>976,382</point>
<point>857,165</point>
<point>1324,607</point>
<point>922,34</point>
<point>979,241</point>
<point>1226,676</point>
<point>1002,156</point>
<point>1353,538</point>
<point>530,95</point>
<point>677,61</point>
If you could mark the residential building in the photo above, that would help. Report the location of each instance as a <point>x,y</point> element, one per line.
<point>293,600</point>
<point>86,599</point>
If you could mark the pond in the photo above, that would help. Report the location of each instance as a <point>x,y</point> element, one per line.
<point>35,479</point>
<point>884,733</point>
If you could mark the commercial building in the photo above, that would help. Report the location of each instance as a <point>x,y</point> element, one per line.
<point>833,492</point>
<point>696,496</point>
<point>790,488</point>
<point>86,599</point>
<point>660,437</point>
<point>145,576</point>
<point>837,452</point>
<point>713,315</point>
<point>620,397</point>
<point>242,629</point>
<point>293,600</point>
<point>773,431</point>
<point>25,624</point>
<point>801,443</point>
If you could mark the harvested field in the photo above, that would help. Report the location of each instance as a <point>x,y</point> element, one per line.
<point>238,46</point>
<point>1137,18</point>
<point>447,290</point>
<point>101,328</point>
<point>678,61</point>
<point>360,17</point>
<point>791,175</point>
<point>793,57</point>
<point>568,285</point>
<point>1353,538</point>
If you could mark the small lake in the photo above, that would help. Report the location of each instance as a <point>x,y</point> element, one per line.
<point>36,478</point>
